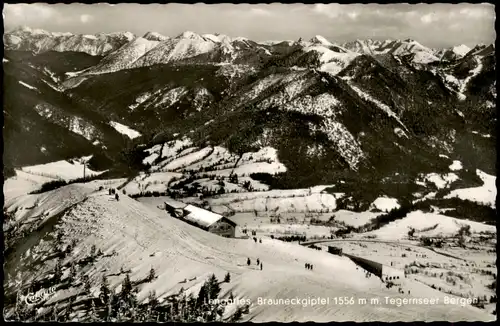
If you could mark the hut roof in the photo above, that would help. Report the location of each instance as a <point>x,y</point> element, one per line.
<point>201,216</point>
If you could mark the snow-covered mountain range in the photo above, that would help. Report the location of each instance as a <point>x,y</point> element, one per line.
<point>126,50</point>
<point>37,40</point>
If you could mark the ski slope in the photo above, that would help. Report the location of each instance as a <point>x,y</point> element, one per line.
<point>146,237</point>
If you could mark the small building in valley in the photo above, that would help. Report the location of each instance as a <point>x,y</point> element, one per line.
<point>202,218</point>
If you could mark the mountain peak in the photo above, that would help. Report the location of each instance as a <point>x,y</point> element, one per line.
<point>154,36</point>
<point>218,38</point>
<point>35,31</point>
<point>461,49</point>
<point>189,35</point>
<point>318,39</point>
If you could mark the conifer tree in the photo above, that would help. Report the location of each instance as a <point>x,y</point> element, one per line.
<point>213,287</point>
<point>152,300</point>
<point>86,285</point>
<point>104,295</point>
<point>152,274</point>
<point>110,306</point>
<point>72,273</point>
<point>227,278</point>
<point>58,271</point>
<point>126,292</point>
<point>94,311</point>
<point>68,250</point>
<point>54,312</point>
<point>237,314</point>
<point>202,297</point>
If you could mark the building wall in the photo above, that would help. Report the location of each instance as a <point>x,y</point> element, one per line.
<point>335,250</point>
<point>369,265</point>
<point>176,212</point>
<point>223,229</point>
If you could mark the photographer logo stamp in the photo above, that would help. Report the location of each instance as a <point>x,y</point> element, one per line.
<point>39,296</point>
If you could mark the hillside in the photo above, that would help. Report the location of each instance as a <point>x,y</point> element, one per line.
<point>134,238</point>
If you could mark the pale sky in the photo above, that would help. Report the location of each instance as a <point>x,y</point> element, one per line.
<point>433,25</point>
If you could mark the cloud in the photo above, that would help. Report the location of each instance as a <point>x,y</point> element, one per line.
<point>85,18</point>
<point>353,15</point>
<point>479,12</point>
<point>29,12</point>
<point>429,18</point>
<point>331,10</point>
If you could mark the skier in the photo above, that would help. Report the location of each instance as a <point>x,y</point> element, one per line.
<point>109,191</point>
<point>260,240</point>
<point>305,266</point>
<point>117,197</point>
<point>258,261</point>
<point>248,261</point>
<point>312,267</point>
<point>260,266</point>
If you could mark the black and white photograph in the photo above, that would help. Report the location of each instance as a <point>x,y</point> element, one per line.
<point>249,162</point>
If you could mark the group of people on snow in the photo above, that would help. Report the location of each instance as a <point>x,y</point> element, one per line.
<point>259,263</point>
<point>112,191</point>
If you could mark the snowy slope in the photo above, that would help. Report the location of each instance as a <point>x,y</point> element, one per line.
<point>485,194</point>
<point>124,130</point>
<point>23,183</point>
<point>124,56</point>
<point>60,170</point>
<point>446,226</point>
<point>318,39</point>
<point>332,61</point>
<point>186,45</point>
<point>145,238</point>
<point>461,50</point>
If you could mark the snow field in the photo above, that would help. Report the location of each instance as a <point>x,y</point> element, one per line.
<point>485,194</point>
<point>60,170</point>
<point>124,130</point>
<point>385,204</point>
